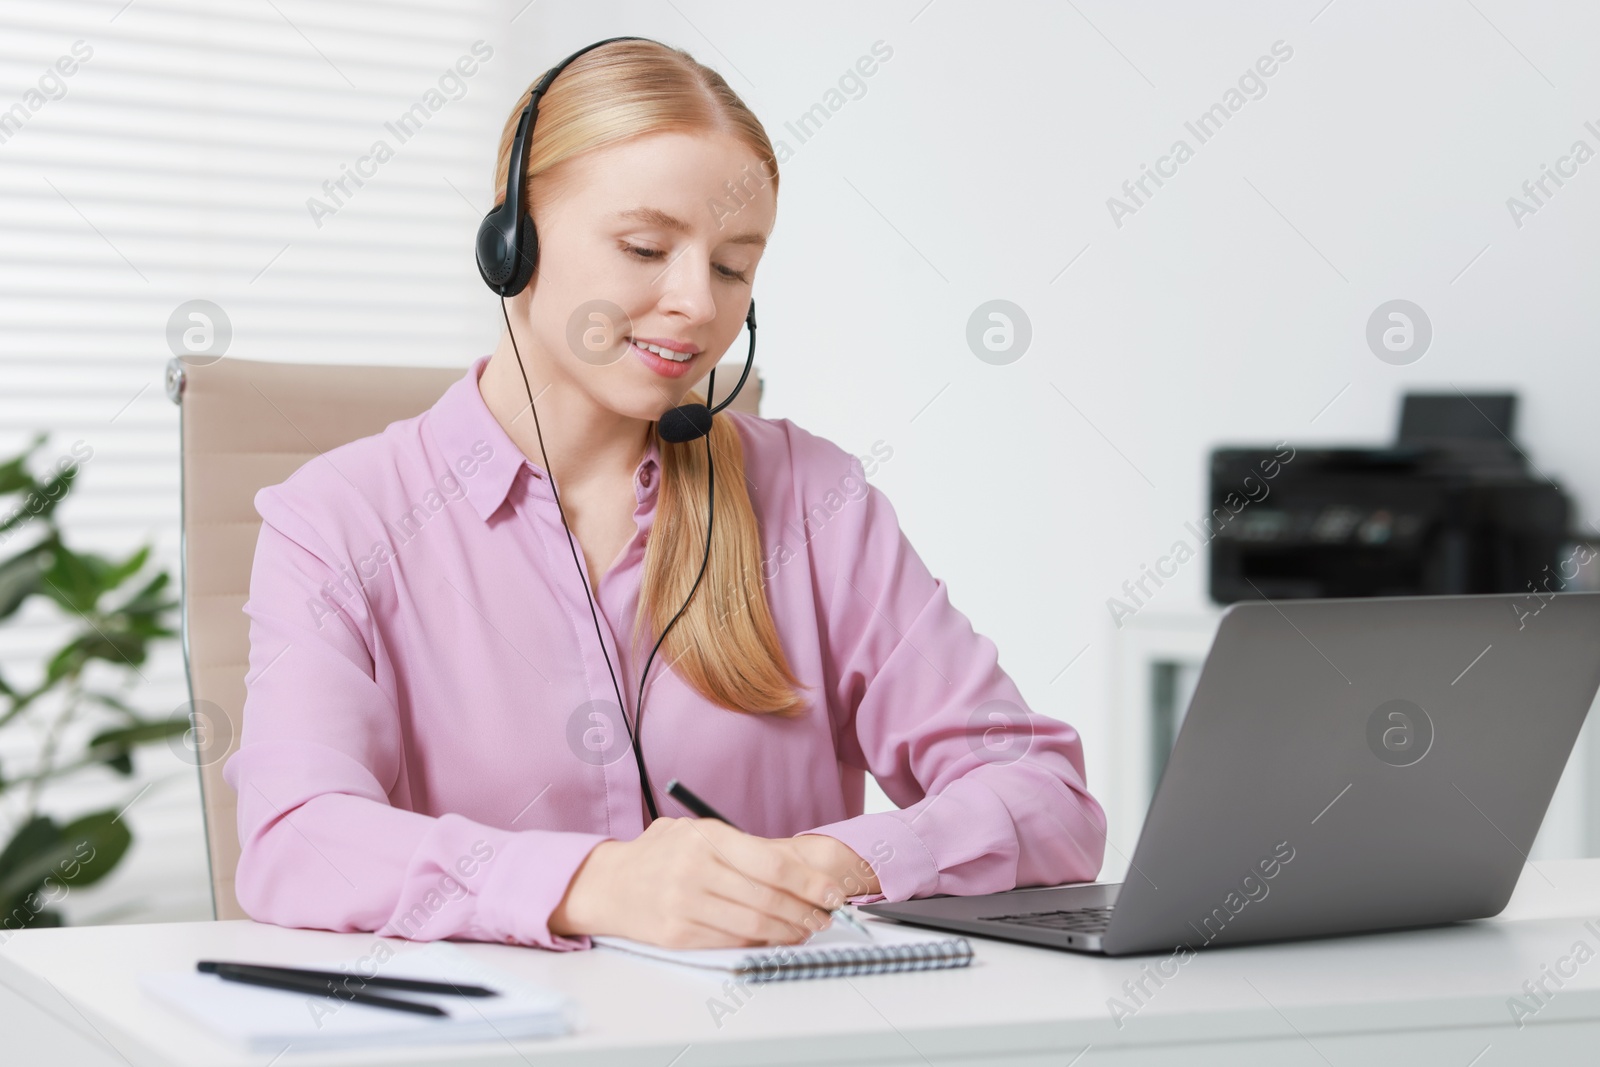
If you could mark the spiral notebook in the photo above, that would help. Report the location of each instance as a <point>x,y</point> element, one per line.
<point>831,953</point>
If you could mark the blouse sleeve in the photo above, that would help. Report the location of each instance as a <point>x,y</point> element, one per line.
<point>991,795</point>
<point>320,750</point>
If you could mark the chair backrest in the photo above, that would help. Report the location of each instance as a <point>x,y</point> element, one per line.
<point>247,425</point>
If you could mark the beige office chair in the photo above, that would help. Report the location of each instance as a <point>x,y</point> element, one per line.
<point>247,425</point>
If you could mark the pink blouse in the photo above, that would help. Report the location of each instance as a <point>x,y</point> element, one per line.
<point>431,744</point>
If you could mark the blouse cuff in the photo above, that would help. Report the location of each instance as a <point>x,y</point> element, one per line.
<point>904,865</point>
<point>527,881</point>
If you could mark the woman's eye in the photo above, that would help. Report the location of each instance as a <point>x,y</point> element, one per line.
<point>644,253</point>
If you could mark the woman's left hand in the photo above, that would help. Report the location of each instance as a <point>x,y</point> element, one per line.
<point>839,860</point>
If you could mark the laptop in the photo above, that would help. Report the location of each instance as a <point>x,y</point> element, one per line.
<point>1345,766</point>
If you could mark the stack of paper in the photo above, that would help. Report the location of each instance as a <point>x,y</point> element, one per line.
<point>268,1020</point>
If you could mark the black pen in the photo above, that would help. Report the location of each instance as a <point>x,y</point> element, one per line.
<point>682,794</point>
<point>411,985</point>
<point>320,987</point>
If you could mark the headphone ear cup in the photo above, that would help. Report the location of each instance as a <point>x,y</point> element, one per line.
<point>497,260</point>
<point>506,256</point>
<point>527,259</point>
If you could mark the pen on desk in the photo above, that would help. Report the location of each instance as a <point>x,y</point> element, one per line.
<point>413,985</point>
<point>322,988</point>
<point>682,794</point>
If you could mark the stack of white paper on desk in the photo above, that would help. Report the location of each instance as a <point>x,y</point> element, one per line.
<point>267,1020</point>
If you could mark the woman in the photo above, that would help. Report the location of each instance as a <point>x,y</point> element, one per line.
<point>430,745</point>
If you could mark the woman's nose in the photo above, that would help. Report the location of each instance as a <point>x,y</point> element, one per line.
<point>686,289</point>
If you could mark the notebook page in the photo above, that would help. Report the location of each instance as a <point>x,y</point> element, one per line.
<point>839,935</point>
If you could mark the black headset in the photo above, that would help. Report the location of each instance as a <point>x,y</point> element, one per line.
<point>508,256</point>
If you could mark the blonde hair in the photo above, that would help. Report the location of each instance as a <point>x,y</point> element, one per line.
<point>725,645</point>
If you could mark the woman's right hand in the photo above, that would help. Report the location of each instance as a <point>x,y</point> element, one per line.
<point>698,883</point>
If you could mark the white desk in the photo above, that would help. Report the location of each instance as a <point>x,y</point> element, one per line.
<point>1435,996</point>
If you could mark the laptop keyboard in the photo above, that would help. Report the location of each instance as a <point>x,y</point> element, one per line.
<point>1076,921</point>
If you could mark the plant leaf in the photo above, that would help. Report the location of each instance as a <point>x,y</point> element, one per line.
<point>148,599</point>
<point>71,580</point>
<point>47,497</point>
<point>37,833</point>
<point>36,837</point>
<point>106,834</point>
<point>22,575</point>
<point>85,852</point>
<point>116,648</point>
<point>147,626</point>
<point>16,915</point>
<point>118,744</point>
<point>14,476</point>
<point>68,659</point>
<point>121,572</point>
<point>114,703</point>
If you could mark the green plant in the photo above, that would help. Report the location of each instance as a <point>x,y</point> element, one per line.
<point>45,859</point>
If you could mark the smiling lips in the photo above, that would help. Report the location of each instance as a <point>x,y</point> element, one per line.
<point>669,362</point>
<point>676,351</point>
<point>669,359</point>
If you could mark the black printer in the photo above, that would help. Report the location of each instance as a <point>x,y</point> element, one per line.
<point>1454,506</point>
